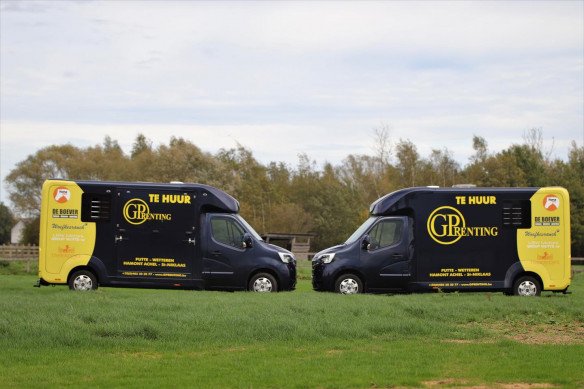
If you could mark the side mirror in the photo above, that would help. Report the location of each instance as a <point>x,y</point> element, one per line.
<point>246,241</point>
<point>366,244</point>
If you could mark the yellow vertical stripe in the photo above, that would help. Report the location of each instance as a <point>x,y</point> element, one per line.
<point>545,247</point>
<point>65,241</point>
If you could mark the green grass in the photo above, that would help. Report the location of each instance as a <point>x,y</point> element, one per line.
<point>26,266</point>
<point>169,338</point>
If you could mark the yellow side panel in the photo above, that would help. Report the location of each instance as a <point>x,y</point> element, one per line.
<point>70,264</point>
<point>545,247</point>
<point>65,240</point>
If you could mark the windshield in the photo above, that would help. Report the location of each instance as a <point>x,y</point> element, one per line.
<point>249,228</point>
<point>361,230</point>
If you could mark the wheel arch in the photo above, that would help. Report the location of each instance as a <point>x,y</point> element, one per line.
<point>98,268</point>
<point>264,270</point>
<point>530,274</point>
<point>516,271</point>
<point>344,271</point>
<point>94,265</point>
<point>78,268</point>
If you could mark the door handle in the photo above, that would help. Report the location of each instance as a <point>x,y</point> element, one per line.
<point>119,238</point>
<point>216,253</point>
<point>397,256</point>
<point>190,241</point>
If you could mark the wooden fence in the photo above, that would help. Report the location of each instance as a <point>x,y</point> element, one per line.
<point>27,254</point>
<point>13,252</point>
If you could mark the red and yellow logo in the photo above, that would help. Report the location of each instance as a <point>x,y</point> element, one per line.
<point>545,256</point>
<point>551,202</point>
<point>62,194</point>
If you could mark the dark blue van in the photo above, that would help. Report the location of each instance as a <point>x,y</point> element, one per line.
<point>512,240</point>
<point>154,235</point>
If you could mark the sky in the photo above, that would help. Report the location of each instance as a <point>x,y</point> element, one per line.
<point>284,78</point>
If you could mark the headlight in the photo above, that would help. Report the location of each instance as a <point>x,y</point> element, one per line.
<point>286,257</point>
<point>326,258</point>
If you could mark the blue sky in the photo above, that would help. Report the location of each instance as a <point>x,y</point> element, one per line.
<point>284,78</point>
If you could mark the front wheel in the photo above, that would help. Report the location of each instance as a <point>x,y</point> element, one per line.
<point>83,280</point>
<point>526,286</point>
<point>263,282</point>
<point>349,284</point>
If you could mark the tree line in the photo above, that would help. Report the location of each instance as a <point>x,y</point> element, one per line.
<point>329,201</point>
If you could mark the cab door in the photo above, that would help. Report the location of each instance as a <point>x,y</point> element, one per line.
<point>156,236</point>
<point>385,262</point>
<point>225,260</point>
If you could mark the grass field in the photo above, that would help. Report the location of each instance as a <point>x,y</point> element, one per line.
<point>303,339</point>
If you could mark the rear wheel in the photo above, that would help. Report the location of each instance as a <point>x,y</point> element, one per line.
<point>526,286</point>
<point>263,282</point>
<point>348,284</point>
<point>83,280</point>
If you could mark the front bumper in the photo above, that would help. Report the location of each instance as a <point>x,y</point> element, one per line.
<point>320,280</point>
<point>292,273</point>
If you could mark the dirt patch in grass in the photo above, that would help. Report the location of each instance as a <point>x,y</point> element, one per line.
<point>470,341</point>
<point>451,382</point>
<point>524,385</point>
<point>462,384</point>
<point>528,333</point>
<point>541,333</point>
<point>139,355</point>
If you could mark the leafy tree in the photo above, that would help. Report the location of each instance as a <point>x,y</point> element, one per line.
<point>183,161</point>
<point>30,234</point>
<point>290,218</point>
<point>25,181</point>
<point>324,197</point>
<point>497,170</point>
<point>382,144</point>
<point>475,172</point>
<point>365,177</point>
<point>279,178</point>
<point>502,170</point>
<point>6,224</point>
<point>531,163</point>
<point>445,169</point>
<point>571,176</point>
<point>408,160</point>
<point>330,201</point>
<point>480,146</point>
<point>141,145</point>
<point>102,162</point>
<point>110,144</point>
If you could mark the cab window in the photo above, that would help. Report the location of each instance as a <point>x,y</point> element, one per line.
<point>227,231</point>
<point>386,233</point>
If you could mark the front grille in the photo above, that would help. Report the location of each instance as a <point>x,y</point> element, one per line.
<point>292,269</point>
<point>317,269</point>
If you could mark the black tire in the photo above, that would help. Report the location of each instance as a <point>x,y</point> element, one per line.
<point>526,286</point>
<point>348,284</point>
<point>263,283</point>
<point>83,280</point>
